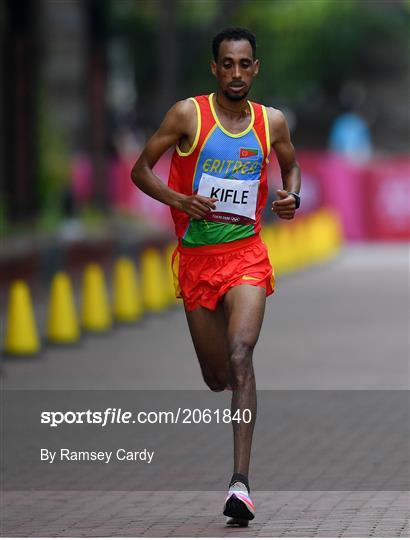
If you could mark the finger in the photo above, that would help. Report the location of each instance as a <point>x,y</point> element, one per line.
<point>203,210</point>
<point>275,209</point>
<point>207,201</point>
<point>284,202</point>
<point>197,210</point>
<point>200,206</point>
<point>200,215</point>
<point>283,210</point>
<point>211,203</point>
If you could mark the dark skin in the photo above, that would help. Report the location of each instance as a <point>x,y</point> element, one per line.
<point>224,339</point>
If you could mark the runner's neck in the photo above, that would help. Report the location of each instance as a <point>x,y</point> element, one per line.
<point>235,111</point>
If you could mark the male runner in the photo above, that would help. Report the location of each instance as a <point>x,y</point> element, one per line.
<point>217,189</point>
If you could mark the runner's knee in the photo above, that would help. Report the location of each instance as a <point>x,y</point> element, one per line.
<point>241,363</point>
<point>215,376</point>
<point>241,354</point>
<point>216,385</point>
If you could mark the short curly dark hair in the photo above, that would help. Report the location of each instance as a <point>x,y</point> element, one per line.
<point>234,33</point>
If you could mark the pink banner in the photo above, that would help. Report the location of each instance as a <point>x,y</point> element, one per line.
<point>127,197</point>
<point>373,201</point>
<point>388,199</point>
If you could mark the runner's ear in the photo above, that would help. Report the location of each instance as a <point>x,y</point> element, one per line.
<point>256,65</point>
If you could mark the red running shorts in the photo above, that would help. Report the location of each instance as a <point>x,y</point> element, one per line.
<point>204,274</point>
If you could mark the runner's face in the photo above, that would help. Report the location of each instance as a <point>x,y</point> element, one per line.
<point>235,68</point>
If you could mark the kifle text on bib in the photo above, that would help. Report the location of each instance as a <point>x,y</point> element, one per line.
<point>236,198</point>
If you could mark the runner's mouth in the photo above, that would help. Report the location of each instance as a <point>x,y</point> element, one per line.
<point>237,86</point>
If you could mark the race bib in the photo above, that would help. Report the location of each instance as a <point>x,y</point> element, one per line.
<point>236,199</point>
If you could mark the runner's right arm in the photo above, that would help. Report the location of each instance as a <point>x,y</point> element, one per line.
<point>174,127</point>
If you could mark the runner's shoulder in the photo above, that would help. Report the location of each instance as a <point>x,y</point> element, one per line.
<point>276,118</point>
<point>183,109</point>
<point>278,125</point>
<point>182,116</point>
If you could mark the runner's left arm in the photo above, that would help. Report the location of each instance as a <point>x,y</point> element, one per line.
<point>285,206</point>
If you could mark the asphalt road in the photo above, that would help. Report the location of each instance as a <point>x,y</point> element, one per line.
<point>341,326</point>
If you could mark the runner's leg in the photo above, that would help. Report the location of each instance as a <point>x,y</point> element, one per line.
<point>209,335</point>
<point>244,308</point>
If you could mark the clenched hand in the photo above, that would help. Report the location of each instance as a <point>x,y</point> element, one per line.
<point>197,206</point>
<point>285,207</point>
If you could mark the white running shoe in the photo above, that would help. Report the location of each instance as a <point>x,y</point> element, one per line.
<point>238,506</point>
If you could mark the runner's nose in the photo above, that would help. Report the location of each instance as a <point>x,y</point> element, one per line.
<point>236,72</point>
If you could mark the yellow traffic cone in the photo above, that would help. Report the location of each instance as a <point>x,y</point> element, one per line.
<point>284,258</point>
<point>62,323</point>
<point>268,238</point>
<point>95,311</point>
<point>154,288</point>
<point>309,241</point>
<point>310,224</point>
<point>301,243</point>
<point>319,232</point>
<point>170,275</point>
<point>127,302</point>
<point>338,230</point>
<point>21,337</point>
<point>335,231</point>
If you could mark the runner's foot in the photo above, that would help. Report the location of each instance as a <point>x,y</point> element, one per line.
<point>238,505</point>
<point>235,522</point>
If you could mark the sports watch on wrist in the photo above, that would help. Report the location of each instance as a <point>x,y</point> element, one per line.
<point>297,198</point>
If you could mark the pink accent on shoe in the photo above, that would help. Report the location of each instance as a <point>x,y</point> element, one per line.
<point>244,498</point>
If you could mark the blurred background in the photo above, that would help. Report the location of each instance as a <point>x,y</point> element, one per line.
<point>84,83</point>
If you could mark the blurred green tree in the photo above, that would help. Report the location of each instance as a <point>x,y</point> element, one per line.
<point>307,47</point>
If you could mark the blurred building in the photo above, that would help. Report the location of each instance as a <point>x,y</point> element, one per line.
<point>53,95</point>
<point>94,77</point>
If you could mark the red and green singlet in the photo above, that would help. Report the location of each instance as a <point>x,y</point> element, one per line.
<point>228,166</point>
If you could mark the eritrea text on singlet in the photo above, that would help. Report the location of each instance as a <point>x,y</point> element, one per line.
<point>230,167</point>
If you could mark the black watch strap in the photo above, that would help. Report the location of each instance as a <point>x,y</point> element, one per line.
<point>296,196</point>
